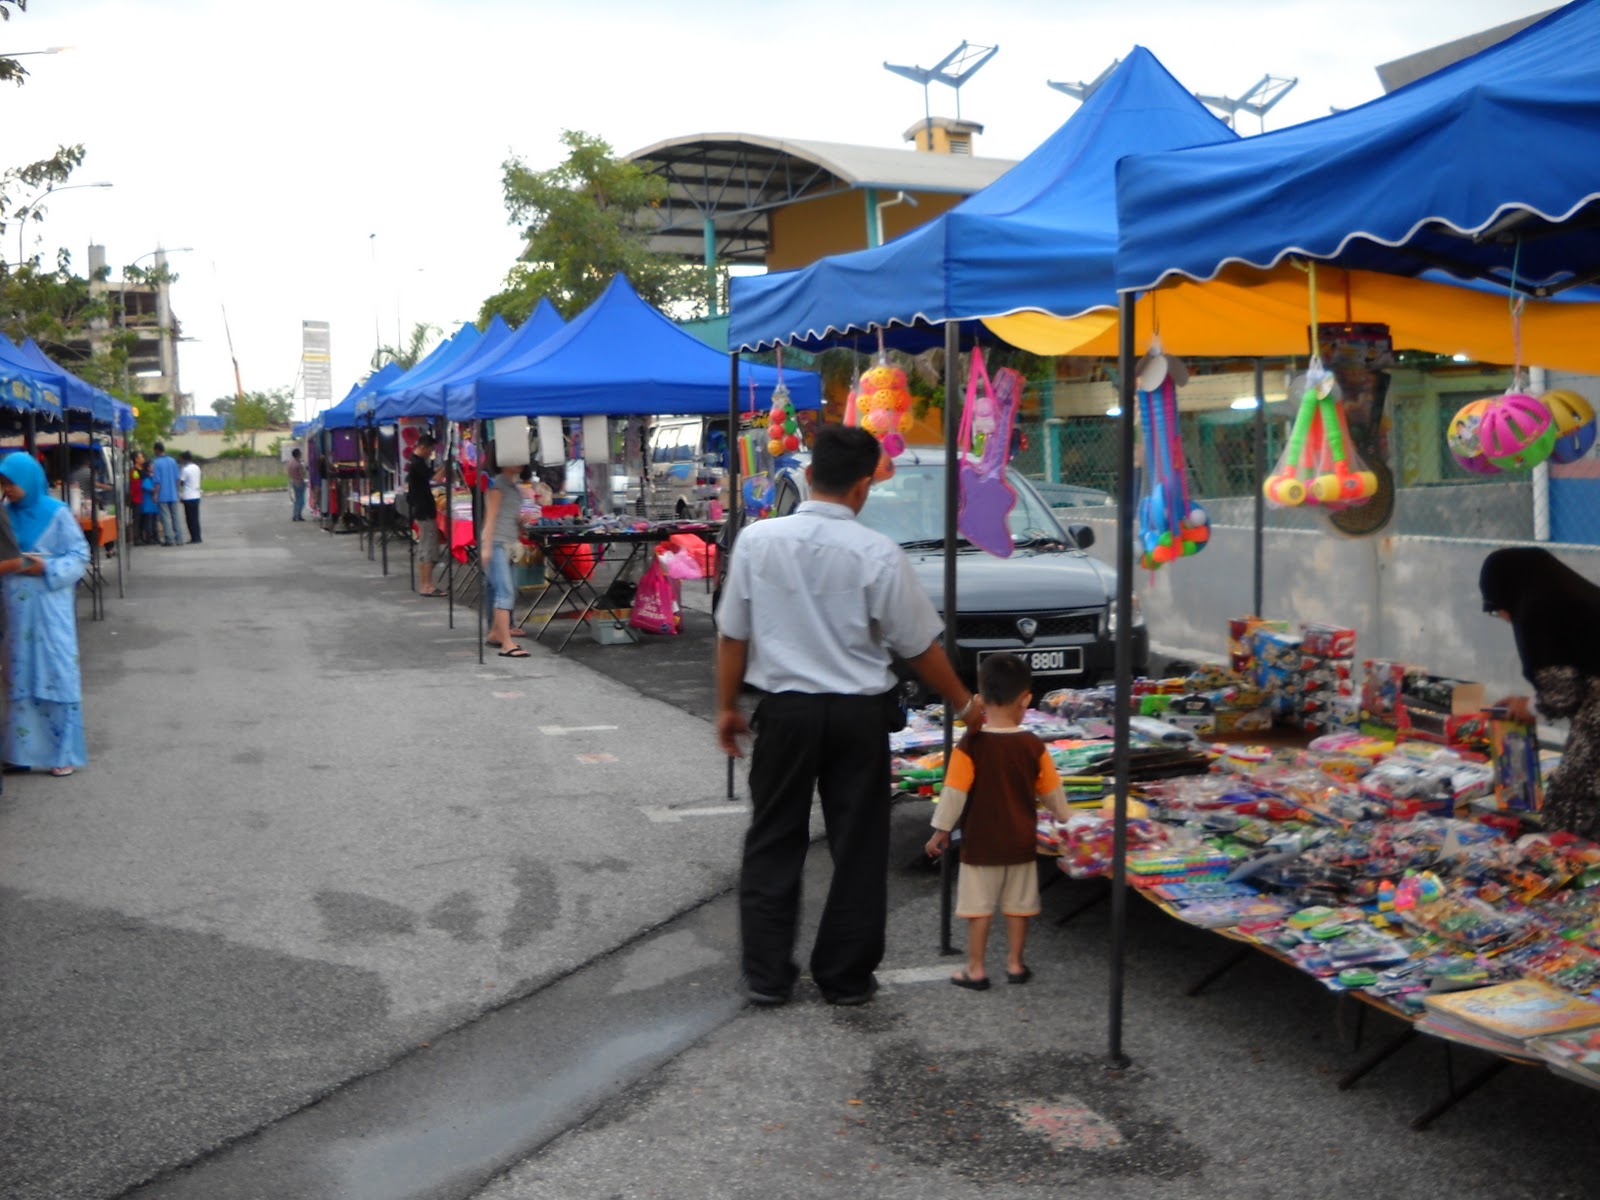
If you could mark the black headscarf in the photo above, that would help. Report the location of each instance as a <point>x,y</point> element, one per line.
<point>1555,612</point>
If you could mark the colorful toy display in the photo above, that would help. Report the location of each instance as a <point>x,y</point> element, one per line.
<point>986,496</point>
<point>1320,464</point>
<point>783,424</point>
<point>1170,525</point>
<point>1516,432</point>
<point>881,404</point>
<point>1574,422</point>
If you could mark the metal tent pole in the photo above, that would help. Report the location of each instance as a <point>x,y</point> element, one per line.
<point>952,496</point>
<point>734,510</point>
<point>1124,668</point>
<point>1260,451</point>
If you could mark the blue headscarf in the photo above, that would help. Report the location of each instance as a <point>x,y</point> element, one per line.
<point>31,515</point>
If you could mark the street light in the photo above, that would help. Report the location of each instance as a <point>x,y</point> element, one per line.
<point>32,206</point>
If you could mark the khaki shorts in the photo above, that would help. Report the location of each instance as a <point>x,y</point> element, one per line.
<point>1013,889</point>
<point>428,541</point>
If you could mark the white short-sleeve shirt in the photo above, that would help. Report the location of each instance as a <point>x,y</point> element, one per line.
<point>189,482</point>
<point>822,601</point>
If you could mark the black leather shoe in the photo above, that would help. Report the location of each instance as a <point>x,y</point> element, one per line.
<point>853,999</point>
<point>760,998</point>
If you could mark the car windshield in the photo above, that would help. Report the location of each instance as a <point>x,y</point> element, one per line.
<point>910,508</point>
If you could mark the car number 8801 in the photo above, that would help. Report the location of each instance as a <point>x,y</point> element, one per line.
<point>1047,662</point>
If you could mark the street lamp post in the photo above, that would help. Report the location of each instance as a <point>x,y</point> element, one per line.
<point>32,206</point>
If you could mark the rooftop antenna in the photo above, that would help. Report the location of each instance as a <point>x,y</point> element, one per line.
<point>1259,100</point>
<point>954,69</point>
<point>1081,91</point>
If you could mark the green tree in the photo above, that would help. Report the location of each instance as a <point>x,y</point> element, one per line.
<point>10,68</point>
<point>583,222</point>
<point>254,412</point>
<point>154,419</point>
<point>411,353</point>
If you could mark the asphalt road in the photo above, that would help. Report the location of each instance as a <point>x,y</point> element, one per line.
<point>336,911</point>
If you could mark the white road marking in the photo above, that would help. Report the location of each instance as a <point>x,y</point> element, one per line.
<point>563,730</point>
<point>669,816</point>
<point>509,695</point>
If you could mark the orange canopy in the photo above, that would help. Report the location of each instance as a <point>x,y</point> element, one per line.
<point>1251,313</point>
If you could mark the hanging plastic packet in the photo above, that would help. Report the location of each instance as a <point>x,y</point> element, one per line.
<point>1319,464</point>
<point>1170,525</point>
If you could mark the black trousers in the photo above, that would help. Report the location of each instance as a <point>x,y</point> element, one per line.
<point>191,514</point>
<point>837,746</point>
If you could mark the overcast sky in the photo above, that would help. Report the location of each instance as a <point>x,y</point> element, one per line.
<point>339,160</point>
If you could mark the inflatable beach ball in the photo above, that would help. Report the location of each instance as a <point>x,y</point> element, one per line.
<point>1462,437</point>
<point>1575,424</point>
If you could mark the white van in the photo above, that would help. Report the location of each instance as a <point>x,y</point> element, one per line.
<point>684,475</point>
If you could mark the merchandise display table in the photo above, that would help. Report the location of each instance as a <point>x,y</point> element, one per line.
<point>581,562</point>
<point>572,586</point>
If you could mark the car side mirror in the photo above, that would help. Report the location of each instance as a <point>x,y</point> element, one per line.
<point>1082,534</point>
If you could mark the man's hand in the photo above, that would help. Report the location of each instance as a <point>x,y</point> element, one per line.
<point>977,714</point>
<point>731,726</point>
<point>937,843</point>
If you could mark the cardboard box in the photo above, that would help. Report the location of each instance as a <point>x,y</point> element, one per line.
<point>1438,694</point>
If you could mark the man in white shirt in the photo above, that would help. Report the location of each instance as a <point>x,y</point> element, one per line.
<point>813,607</point>
<point>189,493</point>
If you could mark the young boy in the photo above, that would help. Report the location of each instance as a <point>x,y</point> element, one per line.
<point>995,780</point>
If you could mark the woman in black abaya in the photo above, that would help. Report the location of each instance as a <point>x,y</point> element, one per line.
<point>1555,615</point>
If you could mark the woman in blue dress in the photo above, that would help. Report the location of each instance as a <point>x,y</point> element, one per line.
<point>44,724</point>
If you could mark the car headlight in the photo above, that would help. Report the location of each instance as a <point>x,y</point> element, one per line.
<point>1111,616</point>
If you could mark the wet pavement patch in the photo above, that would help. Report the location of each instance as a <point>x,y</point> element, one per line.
<point>1044,1119</point>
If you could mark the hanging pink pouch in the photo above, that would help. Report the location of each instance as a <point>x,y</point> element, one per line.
<point>986,496</point>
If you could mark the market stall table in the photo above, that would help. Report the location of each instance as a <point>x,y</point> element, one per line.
<point>573,586</point>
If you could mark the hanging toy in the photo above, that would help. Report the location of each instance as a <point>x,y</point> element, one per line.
<point>1170,525</point>
<point>1461,435</point>
<point>1320,464</point>
<point>783,426</point>
<point>880,403</point>
<point>1516,432</point>
<point>987,497</point>
<point>1574,422</point>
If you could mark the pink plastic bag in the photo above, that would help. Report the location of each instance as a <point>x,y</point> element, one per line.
<point>986,496</point>
<point>655,605</point>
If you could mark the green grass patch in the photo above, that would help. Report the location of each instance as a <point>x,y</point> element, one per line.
<point>276,483</point>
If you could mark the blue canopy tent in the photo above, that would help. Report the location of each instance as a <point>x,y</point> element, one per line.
<point>436,362</point>
<point>343,415</point>
<point>410,396</point>
<point>1040,238</point>
<point>78,396</point>
<point>622,357</point>
<point>1484,168</point>
<point>26,387</point>
<point>454,392</point>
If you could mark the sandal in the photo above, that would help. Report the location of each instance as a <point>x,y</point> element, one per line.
<point>61,772</point>
<point>1021,976</point>
<point>515,652</point>
<point>962,980</point>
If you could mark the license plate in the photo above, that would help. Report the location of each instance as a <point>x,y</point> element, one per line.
<point>1058,660</point>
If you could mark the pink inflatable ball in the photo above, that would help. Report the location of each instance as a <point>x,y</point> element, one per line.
<point>1516,432</point>
<point>876,422</point>
<point>893,444</point>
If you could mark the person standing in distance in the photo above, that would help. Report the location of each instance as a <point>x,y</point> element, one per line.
<point>189,493</point>
<point>814,605</point>
<point>424,511</point>
<point>297,484</point>
<point>164,474</point>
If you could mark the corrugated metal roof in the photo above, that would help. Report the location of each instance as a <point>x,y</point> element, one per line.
<point>736,179</point>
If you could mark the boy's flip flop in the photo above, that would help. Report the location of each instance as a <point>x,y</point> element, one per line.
<point>962,980</point>
<point>1021,976</point>
<point>515,652</point>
